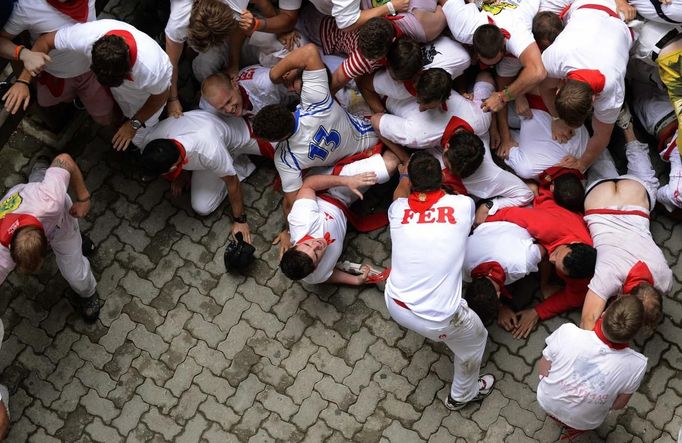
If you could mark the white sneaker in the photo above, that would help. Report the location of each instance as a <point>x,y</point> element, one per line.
<point>485,387</point>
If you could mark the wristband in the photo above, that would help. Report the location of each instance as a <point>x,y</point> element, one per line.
<point>172,99</point>
<point>17,51</point>
<point>28,84</point>
<point>507,94</point>
<point>256,24</point>
<point>391,8</point>
<point>404,175</point>
<point>240,219</point>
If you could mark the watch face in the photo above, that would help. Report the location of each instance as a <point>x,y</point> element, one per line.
<point>136,124</point>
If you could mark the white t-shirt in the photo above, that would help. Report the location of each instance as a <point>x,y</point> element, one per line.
<point>48,201</point>
<point>586,376</point>
<point>441,53</point>
<point>315,218</point>
<point>672,10</point>
<point>575,48</point>
<point>427,255</point>
<point>180,12</point>
<point>505,243</point>
<point>324,133</point>
<point>261,90</point>
<point>622,241</point>
<point>514,16</point>
<point>206,138</point>
<point>39,17</point>
<point>151,73</point>
<point>345,12</point>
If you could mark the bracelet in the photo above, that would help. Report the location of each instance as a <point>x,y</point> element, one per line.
<point>256,24</point>
<point>404,175</point>
<point>507,94</point>
<point>391,8</point>
<point>172,99</point>
<point>28,84</point>
<point>17,51</point>
<point>83,200</point>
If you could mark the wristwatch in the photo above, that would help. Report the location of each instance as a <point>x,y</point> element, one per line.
<point>240,219</point>
<point>136,124</point>
<point>488,204</point>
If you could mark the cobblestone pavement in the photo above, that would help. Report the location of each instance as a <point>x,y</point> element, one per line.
<point>184,352</point>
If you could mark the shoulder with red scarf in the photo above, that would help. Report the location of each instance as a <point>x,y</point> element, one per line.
<point>78,10</point>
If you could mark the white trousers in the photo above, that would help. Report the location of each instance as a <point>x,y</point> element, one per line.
<point>669,195</point>
<point>463,333</point>
<point>67,245</point>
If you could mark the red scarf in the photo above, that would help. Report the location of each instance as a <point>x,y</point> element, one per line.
<point>422,201</point>
<point>640,273</point>
<point>453,125</point>
<point>613,345</point>
<point>76,9</point>
<point>11,222</point>
<point>592,77</point>
<point>504,32</point>
<point>175,173</point>
<point>536,102</point>
<point>552,173</point>
<point>494,271</point>
<point>132,47</point>
<point>327,237</point>
<point>246,101</point>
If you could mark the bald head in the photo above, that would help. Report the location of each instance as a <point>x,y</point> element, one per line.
<point>220,93</point>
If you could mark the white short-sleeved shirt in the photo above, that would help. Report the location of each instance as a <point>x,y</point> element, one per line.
<point>48,201</point>
<point>409,127</point>
<point>427,255</point>
<point>208,140</point>
<point>180,12</point>
<point>575,49</point>
<point>324,133</point>
<point>442,53</point>
<point>672,10</point>
<point>151,73</point>
<point>514,16</point>
<point>586,377</point>
<point>315,218</point>
<point>621,241</point>
<point>505,243</point>
<point>38,18</point>
<point>345,12</point>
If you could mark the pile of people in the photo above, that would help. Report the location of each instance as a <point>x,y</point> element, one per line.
<point>493,117</point>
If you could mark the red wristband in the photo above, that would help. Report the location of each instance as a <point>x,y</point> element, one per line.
<point>17,51</point>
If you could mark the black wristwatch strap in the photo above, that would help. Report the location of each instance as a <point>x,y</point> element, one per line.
<point>240,219</point>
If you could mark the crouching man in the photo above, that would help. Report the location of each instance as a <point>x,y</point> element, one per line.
<point>317,221</point>
<point>39,214</point>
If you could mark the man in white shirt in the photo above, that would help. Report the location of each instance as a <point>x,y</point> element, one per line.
<point>582,76</point>
<point>498,254</point>
<point>68,74</point>
<point>198,141</point>
<point>318,218</point>
<point>617,212</point>
<point>423,292</point>
<point>319,133</point>
<point>40,213</point>
<point>586,374</point>
<point>128,61</point>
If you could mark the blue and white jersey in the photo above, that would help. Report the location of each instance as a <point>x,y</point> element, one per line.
<point>324,134</point>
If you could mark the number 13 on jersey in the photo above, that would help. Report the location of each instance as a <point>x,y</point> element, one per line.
<point>322,143</point>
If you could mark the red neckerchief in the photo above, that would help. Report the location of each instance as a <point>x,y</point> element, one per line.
<point>454,182</point>
<point>453,125</point>
<point>327,237</point>
<point>494,271</point>
<point>640,273</point>
<point>11,222</point>
<point>504,32</point>
<point>132,47</point>
<point>422,201</point>
<point>592,77</point>
<point>536,102</point>
<point>393,18</point>
<point>246,101</point>
<point>76,9</point>
<point>550,174</point>
<point>598,330</point>
<point>175,173</point>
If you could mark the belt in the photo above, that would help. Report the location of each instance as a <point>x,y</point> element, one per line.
<point>663,42</point>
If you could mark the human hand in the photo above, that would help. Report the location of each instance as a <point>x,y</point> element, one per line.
<point>247,21</point>
<point>493,103</point>
<point>571,162</point>
<point>242,228</point>
<point>34,62</point>
<point>507,318</point>
<point>362,278</point>
<point>284,241</point>
<point>80,209</point>
<point>522,107</point>
<point>505,146</point>
<point>401,5</point>
<point>528,319</point>
<point>174,108</point>
<point>289,39</point>
<point>561,132</point>
<point>626,11</point>
<point>355,182</point>
<point>124,136</point>
<point>17,97</point>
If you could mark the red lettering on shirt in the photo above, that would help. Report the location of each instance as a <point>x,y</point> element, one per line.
<point>246,74</point>
<point>444,214</point>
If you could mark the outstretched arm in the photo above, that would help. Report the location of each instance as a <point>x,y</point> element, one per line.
<point>321,182</point>
<point>81,206</point>
<point>234,194</point>
<point>592,309</point>
<point>306,57</point>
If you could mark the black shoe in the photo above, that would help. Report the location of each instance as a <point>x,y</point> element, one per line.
<point>87,246</point>
<point>485,387</point>
<point>89,308</point>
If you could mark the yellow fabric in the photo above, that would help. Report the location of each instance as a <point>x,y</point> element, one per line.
<point>670,69</point>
